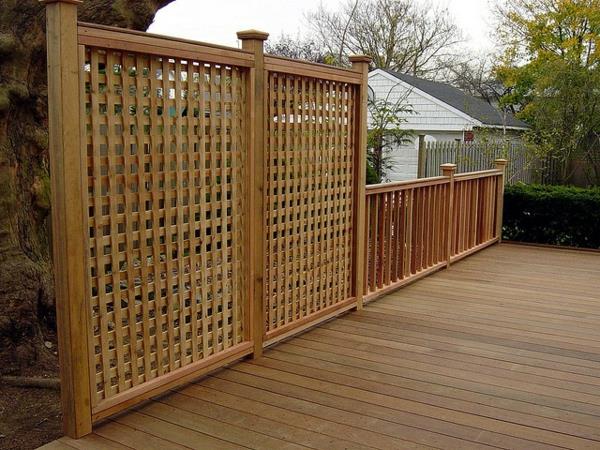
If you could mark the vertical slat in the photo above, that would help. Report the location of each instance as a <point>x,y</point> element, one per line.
<point>301,172</point>
<point>131,203</point>
<point>448,170</point>
<point>410,195</point>
<point>144,182</point>
<point>204,224</point>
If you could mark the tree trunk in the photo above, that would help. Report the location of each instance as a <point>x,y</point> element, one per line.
<point>26,288</point>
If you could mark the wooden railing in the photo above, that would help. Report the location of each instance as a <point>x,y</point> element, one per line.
<point>417,227</point>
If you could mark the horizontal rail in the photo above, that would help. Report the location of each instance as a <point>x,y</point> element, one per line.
<point>173,379</point>
<point>136,41</point>
<point>408,184</point>
<point>480,174</point>
<point>310,69</point>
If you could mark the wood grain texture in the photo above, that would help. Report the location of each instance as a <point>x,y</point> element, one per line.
<point>310,197</point>
<point>166,184</point>
<point>502,350</point>
<point>68,189</point>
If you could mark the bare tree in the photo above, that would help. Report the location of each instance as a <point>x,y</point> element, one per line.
<point>298,48</point>
<point>399,35</point>
<point>476,77</point>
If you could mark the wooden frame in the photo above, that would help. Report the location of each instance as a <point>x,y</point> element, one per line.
<point>67,168</point>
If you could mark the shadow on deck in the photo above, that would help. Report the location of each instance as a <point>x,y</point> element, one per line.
<point>501,350</point>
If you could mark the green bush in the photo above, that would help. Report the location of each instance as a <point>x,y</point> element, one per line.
<point>556,215</point>
<point>372,177</point>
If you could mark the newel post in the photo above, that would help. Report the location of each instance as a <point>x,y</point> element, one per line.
<point>448,170</point>
<point>500,165</point>
<point>360,63</point>
<point>253,41</point>
<point>69,230</point>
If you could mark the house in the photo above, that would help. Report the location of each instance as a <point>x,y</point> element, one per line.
<point>442,113</point>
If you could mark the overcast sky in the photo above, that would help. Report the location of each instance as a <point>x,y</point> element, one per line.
<point>216,21</point>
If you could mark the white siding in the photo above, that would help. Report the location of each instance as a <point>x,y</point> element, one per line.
<point>429,114</point>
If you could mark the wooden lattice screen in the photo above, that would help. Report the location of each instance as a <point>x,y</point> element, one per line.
<point>310,182</point>
<point>164,140</point>
<point>171,162</point>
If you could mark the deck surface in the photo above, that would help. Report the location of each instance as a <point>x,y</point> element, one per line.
<point>501,350</point>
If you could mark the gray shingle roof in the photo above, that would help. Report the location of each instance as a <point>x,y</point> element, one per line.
<point>472,106</point>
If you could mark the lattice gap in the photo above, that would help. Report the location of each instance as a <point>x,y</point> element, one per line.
<point>309,178</point>
<point>165,142</point>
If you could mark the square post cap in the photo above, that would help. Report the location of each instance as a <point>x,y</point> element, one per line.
<point>253,34</point>
<point>501,162</point>
<point>448,169</point>
<point>360,59</point>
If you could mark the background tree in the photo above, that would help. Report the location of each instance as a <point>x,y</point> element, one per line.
<point>26,288</point>
<point>476,77</point>
<point>298,48</point>
<point>385,134</point>
<point>401,35</point>
<point>551,68</point>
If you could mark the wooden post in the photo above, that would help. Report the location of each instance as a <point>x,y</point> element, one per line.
<point>500,165</point>
<point>422,158</point>
<point>69,230</point>
<point>253,40</point>
<point>360,63</point>
<point>448,170</point>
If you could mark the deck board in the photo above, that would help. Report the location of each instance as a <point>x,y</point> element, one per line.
<point>500,351</point>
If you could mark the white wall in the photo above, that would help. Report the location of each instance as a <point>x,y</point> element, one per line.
<point>406,157</point>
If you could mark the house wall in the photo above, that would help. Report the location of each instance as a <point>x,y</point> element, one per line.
<point>432,119</point>
<point>429,114</point>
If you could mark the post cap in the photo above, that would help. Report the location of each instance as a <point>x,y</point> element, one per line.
<point>253,34</point>
<point>448,168</point>
<point>360,58</point>
<point>73,2</point>
<point>501,162</point>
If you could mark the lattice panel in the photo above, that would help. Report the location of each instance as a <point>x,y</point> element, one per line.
<point>309,184</point>
<point>165,159</point>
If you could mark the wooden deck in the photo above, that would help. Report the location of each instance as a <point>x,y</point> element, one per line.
<point>502,350</point>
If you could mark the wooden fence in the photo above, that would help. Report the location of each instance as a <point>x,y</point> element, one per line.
<point>207,201</point>
<point>476,156</point>
<point>417,227</point>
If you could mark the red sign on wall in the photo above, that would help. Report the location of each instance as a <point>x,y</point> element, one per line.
<point>469,136</point>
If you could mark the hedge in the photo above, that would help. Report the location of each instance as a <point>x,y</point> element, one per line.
<point>556,215</point>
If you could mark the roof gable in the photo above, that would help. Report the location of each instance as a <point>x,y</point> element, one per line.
<point>467,104</point>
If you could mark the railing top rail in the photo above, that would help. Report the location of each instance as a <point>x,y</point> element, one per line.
<point>402,185</point>
<point>311,69</point>
<point>167,46</point>
<point>478,174</point>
